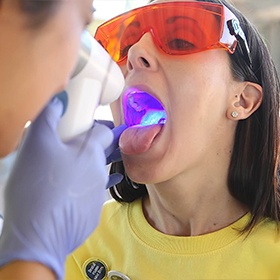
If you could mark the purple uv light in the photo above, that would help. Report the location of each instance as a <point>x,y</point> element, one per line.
<point>141,108</point>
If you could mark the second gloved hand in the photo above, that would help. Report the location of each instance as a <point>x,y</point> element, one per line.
<point>55,192</point>
<point>113,153</point>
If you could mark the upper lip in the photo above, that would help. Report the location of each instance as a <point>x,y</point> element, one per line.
<point>142,88</point>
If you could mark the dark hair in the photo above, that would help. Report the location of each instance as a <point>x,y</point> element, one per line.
<point>253,176</point>
<point>38,11</point>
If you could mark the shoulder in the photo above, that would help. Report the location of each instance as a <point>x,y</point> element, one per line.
<point>115,212</point>
<point>267,236</point>
<point>263,245</point>
<point>268,227</point>
<point>113,208</point>
<point>112,204</point>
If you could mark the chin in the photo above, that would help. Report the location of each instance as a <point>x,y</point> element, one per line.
<point>142,173</point>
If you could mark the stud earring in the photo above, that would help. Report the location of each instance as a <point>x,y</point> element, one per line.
<point>234,114</point>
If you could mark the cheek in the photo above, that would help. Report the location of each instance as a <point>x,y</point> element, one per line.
<point>58,46</point>
<point>59,64</point>
<point>117,112</point>
<point>67,69</point>
<point>123,67</point>
<point>67,53</point>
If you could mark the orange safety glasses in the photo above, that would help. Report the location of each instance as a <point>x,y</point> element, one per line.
<point>177,28</point>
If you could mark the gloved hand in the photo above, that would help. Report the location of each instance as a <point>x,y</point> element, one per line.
<point>55,192</point>
<point>113,153</point>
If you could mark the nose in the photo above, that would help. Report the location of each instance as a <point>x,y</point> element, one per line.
<point>142,55</point>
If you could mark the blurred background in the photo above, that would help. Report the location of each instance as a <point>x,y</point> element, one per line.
<point>264,14</point>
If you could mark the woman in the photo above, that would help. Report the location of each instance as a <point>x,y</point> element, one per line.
<point>200,199</point>
<point>51,185</point>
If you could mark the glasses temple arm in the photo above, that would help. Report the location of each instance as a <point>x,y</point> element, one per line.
<point>235,30</point>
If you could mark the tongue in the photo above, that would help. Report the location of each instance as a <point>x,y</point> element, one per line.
<point>138,139</point>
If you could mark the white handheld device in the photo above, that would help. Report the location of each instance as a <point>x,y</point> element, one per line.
<point>97,80</point>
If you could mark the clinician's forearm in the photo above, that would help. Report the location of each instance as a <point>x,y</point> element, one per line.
<point>21,270</point>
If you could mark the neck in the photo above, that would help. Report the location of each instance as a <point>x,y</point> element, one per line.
<point>188,208</point>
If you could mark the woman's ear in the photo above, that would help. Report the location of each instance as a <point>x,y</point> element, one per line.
<point>246,102</point>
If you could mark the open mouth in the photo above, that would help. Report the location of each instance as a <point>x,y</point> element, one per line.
<point>141,108</point>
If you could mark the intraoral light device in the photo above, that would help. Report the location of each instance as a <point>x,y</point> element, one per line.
<point>97,80</point>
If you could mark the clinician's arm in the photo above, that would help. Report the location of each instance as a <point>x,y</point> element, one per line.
<point>21,270</point>
<point>53,197</point>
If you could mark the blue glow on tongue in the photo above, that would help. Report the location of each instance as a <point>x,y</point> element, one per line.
<point>140,108</point>
<point>154,117</point>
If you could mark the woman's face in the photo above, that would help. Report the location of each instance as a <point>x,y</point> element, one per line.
<point>196,92</point>
<point>35,62</point>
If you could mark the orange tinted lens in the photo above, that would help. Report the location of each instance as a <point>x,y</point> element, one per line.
<point>188,28</point>
<point>178,28</point>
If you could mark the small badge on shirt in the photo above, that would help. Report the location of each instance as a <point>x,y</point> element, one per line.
<point>95,269</point>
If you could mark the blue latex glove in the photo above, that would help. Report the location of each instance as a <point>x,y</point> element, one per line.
<point>55,192</point>
<point>113,153</point>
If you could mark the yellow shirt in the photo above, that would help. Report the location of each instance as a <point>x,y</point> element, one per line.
<point>124,242</point>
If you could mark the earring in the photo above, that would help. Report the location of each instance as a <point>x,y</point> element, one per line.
<point>234,114</point>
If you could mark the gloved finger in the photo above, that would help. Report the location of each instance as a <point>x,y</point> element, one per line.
<point>117,131</point>
<point>114,179</point>
<point>50,115</point>
<point>44,126</point>
<point>63,97</point>
<point>108,123</point>
<point>102,134</point>
<point>114,156</point>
